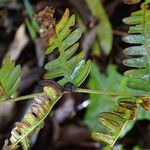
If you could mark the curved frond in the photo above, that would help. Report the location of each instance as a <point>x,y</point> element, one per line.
<point>34,120</point>
<point>115,121</point>
<point>139,35</point>
<point>68,66</point>
<point>9,78</point>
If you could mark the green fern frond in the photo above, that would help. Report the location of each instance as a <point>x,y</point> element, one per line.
<point>9,78</point>
<point>115,121</point>
<point>34,120</point>
<point>139,35</point>
<point>139,78</point>
<point>71,67</point>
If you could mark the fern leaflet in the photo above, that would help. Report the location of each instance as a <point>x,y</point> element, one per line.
<point>68,66</point>
<point>115,121</point>
<point>34,121</point>
<point>71,68</point>
<point>9,78</point>
<point>139,34</point>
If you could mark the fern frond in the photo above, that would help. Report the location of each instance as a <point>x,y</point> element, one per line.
<point>139,78</point>
<point>115,121</point>
<point>34,120</point>
<point>139,35</point>
<point>71,67</point>
<point>9,78</point>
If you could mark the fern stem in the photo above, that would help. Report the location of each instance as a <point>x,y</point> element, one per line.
<point>111,93</point>
<point>125,124</point>
<point>78,90</point>
<point>20,98</point>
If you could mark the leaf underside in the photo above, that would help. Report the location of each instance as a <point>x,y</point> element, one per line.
<point>139,35</point>
<point>9,78</point>
<point>68,66</point>
<point>34,120</point>
<point>138,78</point>
<point>115,121</point>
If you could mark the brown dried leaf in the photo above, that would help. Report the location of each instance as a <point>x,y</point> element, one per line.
<point>47,22</point>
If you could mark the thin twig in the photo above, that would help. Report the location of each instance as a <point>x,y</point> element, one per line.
<point>20,98</point>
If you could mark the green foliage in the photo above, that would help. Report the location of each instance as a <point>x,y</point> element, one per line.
<point>32,25</point>
<point>138,79</point>
<point>104,29</point>
<point>137,148</point>
<point>100,103</point>
<point>28,8</point>
<point>115,121</point>
<point>139,35</point>
<point>34,121</point>
<point>9,78</point>
<point>72,68</point>
<point>68,65</point>
<point>103,103</point>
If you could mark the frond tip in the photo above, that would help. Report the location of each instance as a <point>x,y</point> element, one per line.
<point>9,78</point>
<point>70,67</point>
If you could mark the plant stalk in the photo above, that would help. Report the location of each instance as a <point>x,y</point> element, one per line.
<point>78,90</point>
<point>20,98</point>
<point>111,93</point>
